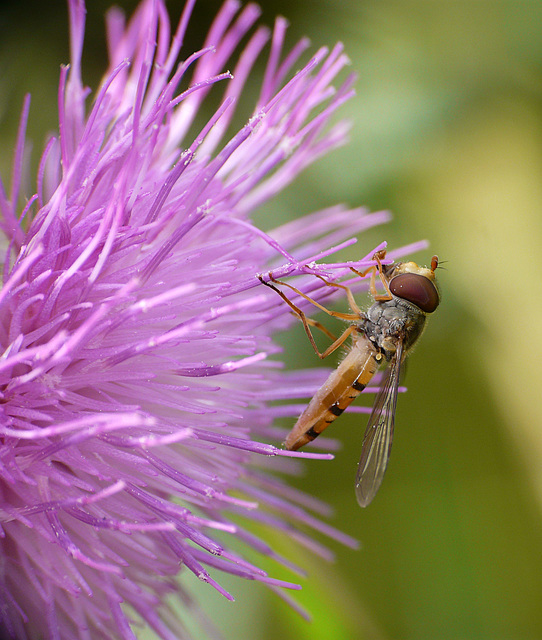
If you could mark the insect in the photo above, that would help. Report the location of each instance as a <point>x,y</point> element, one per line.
<point>383,335</point>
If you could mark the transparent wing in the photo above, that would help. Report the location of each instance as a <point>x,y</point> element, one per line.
<point>376,447</point>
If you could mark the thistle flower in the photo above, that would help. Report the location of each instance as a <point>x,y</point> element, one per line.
<point>135,380</point>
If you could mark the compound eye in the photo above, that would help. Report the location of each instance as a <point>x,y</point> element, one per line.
<point>416,289</point>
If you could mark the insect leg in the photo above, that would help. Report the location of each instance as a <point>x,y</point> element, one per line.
<point>308,322</point>
<point>374,270</point>
<point>344,335</point>
<point>350,296</point>
<point>319,325</point>
<point>334,314</point>
<point>297,311</point>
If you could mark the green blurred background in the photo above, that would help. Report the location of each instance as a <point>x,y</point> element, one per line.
<point>447,134</point>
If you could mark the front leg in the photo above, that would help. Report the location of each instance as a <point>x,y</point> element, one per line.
<point>379,297</point>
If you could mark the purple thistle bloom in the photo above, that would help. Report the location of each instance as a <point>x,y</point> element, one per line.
<point>135,374</point>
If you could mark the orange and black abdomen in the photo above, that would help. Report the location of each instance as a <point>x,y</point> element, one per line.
<point>343,385</point>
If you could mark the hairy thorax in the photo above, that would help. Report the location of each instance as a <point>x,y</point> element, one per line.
<point>392,320</point>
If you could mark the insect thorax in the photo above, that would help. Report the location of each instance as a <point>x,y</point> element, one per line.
<point>392,320</point>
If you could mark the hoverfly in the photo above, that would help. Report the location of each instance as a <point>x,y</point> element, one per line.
<point>383,335</point>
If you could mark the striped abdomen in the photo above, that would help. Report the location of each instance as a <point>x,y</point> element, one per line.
<point>343,385</point>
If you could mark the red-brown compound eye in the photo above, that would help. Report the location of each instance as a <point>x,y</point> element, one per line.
<point>416,289</point>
